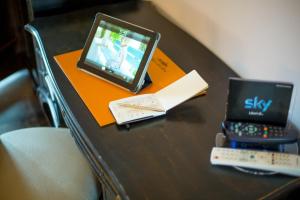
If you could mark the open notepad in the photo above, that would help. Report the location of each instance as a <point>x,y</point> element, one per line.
<point>147,106</point>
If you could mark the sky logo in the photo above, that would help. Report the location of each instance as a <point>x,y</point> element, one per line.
<point>255,103</point>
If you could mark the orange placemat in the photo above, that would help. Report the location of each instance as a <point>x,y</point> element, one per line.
<point>97,93</point>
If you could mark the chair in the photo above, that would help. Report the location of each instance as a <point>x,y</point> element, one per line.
<point>44,163</point>
<point>19,106</point>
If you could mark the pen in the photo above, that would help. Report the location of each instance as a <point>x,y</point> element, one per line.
<point>140,107</point>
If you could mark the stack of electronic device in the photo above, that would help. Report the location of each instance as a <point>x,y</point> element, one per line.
<point>256,133</point>
<point>257,114</point>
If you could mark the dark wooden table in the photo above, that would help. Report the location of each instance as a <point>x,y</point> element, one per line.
<point>163,158</point>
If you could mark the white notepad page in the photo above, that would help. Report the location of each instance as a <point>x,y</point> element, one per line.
<point>174,94</point>
<point>181,90</point>
<point>129,115</point>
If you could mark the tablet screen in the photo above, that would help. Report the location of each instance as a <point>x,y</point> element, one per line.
<point>117,51</point>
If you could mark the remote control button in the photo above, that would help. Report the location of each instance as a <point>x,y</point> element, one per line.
<point>259,131</point>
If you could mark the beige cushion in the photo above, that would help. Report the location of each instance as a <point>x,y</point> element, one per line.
<point>44,163</point>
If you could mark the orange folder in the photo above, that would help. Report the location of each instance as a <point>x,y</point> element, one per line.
<point>97,93</point>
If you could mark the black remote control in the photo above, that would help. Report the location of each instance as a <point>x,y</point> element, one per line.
<point>258,133</point>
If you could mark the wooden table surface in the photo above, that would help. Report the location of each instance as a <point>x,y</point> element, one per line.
<point>166,157</point>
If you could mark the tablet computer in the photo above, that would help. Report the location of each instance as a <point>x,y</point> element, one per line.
<point>118,51</point>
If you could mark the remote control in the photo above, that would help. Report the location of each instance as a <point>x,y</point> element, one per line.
<point>283,163</point>
<point>258,133</point>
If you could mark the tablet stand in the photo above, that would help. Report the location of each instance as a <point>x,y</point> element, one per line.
<point>147,81</point>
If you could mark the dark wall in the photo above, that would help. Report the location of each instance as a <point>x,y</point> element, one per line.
<point>49,7</point>
<point>13,16</point>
